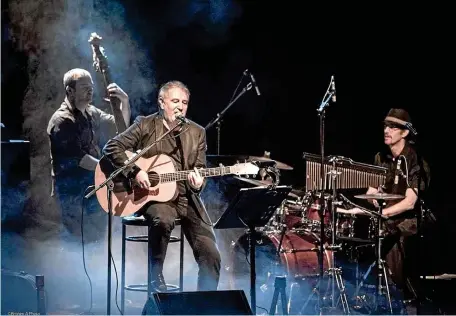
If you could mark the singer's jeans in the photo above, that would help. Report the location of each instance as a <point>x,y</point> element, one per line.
<point>199,235</point>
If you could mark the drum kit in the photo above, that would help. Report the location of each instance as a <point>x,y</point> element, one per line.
<point>290,244</point>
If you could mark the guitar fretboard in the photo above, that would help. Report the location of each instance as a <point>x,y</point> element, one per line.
<point>183,175</point>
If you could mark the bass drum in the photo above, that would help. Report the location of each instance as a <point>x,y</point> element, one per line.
<point>298,262</point>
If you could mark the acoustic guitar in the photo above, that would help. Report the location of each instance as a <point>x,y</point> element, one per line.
<point>128,198</point>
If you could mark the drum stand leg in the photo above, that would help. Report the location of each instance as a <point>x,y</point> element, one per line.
<point>335,273</point>
<point>340,285</point>
<point>382,275</point>
<point>336,279</point>
<point>315,291</point>
<point>279,288</point>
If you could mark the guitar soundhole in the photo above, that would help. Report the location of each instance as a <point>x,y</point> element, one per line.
<point>154,179</point>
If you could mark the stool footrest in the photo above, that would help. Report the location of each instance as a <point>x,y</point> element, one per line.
<point>139,238</point>
<point>144,238</point>
<point>143,288</point>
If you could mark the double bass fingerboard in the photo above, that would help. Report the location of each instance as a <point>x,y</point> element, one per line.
<point>347,173</point>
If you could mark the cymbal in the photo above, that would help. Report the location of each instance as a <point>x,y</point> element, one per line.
<point>294,196</point>
<point>298,193</point>
<point>264,183</point>
<point>227,157</point>
<point>294,206</point>
<point>278,164</point>
<point>380,196</point>
<point>254,182</point>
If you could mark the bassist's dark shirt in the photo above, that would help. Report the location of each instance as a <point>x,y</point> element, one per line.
<point>73,135</point>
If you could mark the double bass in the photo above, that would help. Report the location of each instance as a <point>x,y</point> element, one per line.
<point>100,63</point>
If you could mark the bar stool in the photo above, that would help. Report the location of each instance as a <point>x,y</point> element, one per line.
<point>141,221</point>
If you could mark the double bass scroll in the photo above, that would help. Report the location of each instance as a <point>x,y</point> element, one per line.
<point>100,63</point>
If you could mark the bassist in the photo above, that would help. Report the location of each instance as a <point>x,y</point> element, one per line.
<point>77,131</point>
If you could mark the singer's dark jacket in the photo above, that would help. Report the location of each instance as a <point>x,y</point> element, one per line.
<point>143,132</point>
<point>418,178</point>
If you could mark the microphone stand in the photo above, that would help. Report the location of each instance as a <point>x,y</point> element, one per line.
<point>322,210</point>
<point>110,186</point>
<point>217,119</point>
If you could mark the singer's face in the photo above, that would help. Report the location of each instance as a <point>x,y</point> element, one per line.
<point>174,102</point>
<point>393,134</point>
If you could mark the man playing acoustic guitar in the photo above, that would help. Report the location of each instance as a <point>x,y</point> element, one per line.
<point>186,146</point>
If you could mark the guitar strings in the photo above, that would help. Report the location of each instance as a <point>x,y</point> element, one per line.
<point>178,174</point>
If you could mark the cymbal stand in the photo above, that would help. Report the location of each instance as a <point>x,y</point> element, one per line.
<point>330,95</point>
<point>380,264</point>
<point>322,211</point>
<point>335,272</point>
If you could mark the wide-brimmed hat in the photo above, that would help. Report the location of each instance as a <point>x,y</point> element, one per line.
<point>400,118</point>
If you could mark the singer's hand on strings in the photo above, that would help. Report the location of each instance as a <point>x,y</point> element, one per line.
<point>142,180</point>
<point>195,179</point>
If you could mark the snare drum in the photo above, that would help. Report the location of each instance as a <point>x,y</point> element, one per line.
<point>355,228</point>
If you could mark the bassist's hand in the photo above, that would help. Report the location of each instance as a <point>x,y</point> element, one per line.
<point>116,91</point>
<point>142,179</point>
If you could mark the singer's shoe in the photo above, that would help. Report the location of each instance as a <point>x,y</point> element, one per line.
<point>158,284</point>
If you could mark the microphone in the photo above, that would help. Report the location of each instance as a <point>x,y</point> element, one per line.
<point>253,81</point>
<point>398,169</point>
<point>180,117</point>
<point>333,89</point>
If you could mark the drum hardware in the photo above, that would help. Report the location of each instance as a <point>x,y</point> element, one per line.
<point>266,160</point>
<point>298,260</point>
<point>335,272</point>
<point>251,208</point>
<point>299,250</point>
<point>382,276</point>
<point>282,235</point>
<point>326,222</point>
<point>280,284</point>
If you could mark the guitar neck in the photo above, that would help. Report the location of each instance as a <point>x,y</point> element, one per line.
<point>183,175</point>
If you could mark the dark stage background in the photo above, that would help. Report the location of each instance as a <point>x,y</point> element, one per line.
<point>208,45</point>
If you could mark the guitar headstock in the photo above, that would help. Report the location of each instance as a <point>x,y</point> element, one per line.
<point>100,61</point>
<point>245,168</point>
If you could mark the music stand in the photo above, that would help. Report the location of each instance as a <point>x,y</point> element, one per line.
<point>251,208</point>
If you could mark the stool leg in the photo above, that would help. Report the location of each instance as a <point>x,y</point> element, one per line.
<point>149,264</point>
<point>181,268</point>
<point>122,288</point>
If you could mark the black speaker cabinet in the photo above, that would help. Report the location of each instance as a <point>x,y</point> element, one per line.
<point>229,302</point>
<point>22,293</point>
